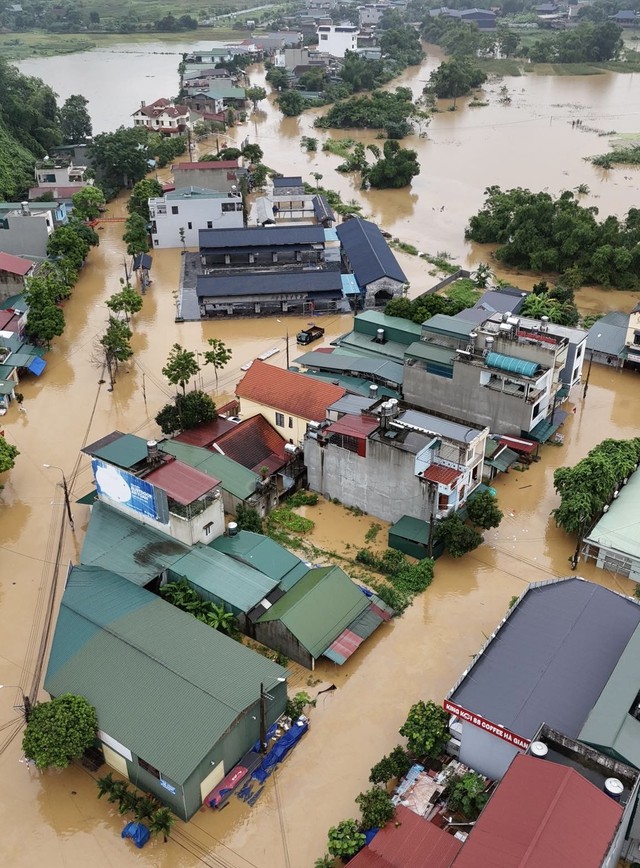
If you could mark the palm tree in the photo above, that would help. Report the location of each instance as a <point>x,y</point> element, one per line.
<point>145,807</point>
<point>160,823</point>
<point>105,785</point>
<point>117,792</point>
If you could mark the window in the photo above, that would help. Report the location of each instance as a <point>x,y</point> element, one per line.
<point>238,206</point>
<point>207,528</point>
<point>252,258</point>
<point>280,420</point>
<point>174,209</point>
<point>290,422</point>
<point>209,224</point>
<point>149,768</point>
<point>227,259</point>
<point>576,372</point>
<point>443,502</point>
<point>298,256</point>
<point>156,242</point>
<point>189,225</point>
<point>323,36</point>
<point>228,206</point>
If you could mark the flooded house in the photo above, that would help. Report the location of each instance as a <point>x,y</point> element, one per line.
<point>614,541</point>
<point>170,721</point>
<point>14,272</point>
<point>60,178</point>
<point>369,258</point>
<point>607,340</point>
<point>178,216</point>
<point>25,227</point>
<point>220,175</point>
<point>163,116</point>
<point>368,450</point>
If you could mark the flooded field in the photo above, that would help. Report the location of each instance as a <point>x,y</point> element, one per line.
<point>55,819</point>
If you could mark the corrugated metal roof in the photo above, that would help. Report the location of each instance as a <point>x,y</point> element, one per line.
<point>129,548</point>
<point>619,528</point>
<point>442,323</point>
<point>123,450</point>
<point>259,552</point>
<point>365,344</point>
<point>550,660</point>
<point>412,529</point>
<point>368,253</point>
<point>15,264</point>
<point>319,608</point>
<point>234,478</point>
<point>181,482</point>
<point>354,384</point>
<point>441,427</point>
<point>430,353</point>
<point>519,445</point>
<point>236,584</point>
<point>259,236</point>
<point>207,433</point>
<point>610,724</point>
<point>609,334</point>
<point>267,283</point>
<point>354,426</point>
<point>254,443</point>
<point>352,404</point>
<point>346,644</point>
<point>542,815</point>
<point>442,475</point>
<point>380,320</point>
<point>163,684</point>
<point>410,842</point>
<point>346,363</point>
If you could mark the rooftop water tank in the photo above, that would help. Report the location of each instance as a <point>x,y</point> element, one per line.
<point>232,528</point>
<point>538,748</point>
<point>614,787</point>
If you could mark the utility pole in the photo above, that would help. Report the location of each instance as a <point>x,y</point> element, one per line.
<point>586,382</point>
<point>65,488</point>
<point>287,340</point>
<point>263,719</point>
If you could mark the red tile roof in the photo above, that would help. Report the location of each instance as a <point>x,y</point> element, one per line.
<point>181,482</point>
<point>414,843</point>
<point>205,434</point>
<point>542,815</point>
<point>14,264</point>
<point>443,475</point>
<point>254,444</point>
<point>208,164</point>
<point>354,426</point>
<point>291,393</point>
<point>162,106</point>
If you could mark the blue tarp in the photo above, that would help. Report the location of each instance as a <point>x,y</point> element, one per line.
<point>138,833</point>
<point>280,749</point>
<point>37,366</point>
<point>370,834</point>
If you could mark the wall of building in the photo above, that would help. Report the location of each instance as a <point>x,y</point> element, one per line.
<point>221,180</point>
<point>485,753</point>
<point>192,216</point>
<point>264,257</point>
<point>294,428</point>
<point>337,40</point>
<point>274,634</point>
<point>387,286</point>
<point>383,484</point>
<point>27,235</point>
<point>572,371</point>
<point>192,530</point>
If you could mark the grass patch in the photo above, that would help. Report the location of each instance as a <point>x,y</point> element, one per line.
<point>373,532</point>
<point>339,147</point>
<point>406,248</point>
<point>567,69</point>
<point>302,498</point>
<point>463,291</point>
<point>477,103</point>
<point>442,262</point>
<point>499,66</point>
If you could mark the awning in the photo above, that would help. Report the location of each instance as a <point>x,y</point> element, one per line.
<point>7,386</point>
<point>20,360</point>
<point>548,427</point>
<point>519,445</point>
<point>37,366</point>
<point>505,459</point>
<point>343,647</point>
<point>88,499</point>
<point>563,392</point>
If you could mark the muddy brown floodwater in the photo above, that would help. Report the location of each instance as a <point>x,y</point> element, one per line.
<point>55,818</point>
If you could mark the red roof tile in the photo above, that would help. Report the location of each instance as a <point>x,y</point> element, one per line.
<point>413,843</point>
<point>354,426</point>
<point>254,444</point>
<point>208,164</point>
<point>292,393</point>
<point>443,475</point>
<point>181,482</point>
<point>207,433</point>
<point>542,815</point>
<point>14,264</point>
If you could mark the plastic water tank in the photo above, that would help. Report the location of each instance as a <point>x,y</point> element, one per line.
<point>232,528</point>
<point>538,748</point>
<point>614,788</point>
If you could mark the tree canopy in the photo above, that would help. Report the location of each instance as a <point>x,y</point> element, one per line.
<point>181,366</point>
<point>59,730</point>
<point>291,103</point>
<point>586,42</point>
<point>483,510</point>
<point>557,303</point>
<point>8,454</point>
<point>75,120</point>
<point>147,188</point>
<point>395,168</point>
<point>539,232</point>
<point>380,110</point>
<point>87,203</point>
<point>456,536</point>
<point>426,729</point>
<point>454,78</point>
<point>188,410</point>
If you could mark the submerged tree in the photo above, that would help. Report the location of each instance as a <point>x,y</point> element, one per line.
<point>59,730</point>
<point>127,301</point>
<point>116,343</point>
<point>181,366</point>
<point>218,356</point>
<point>87,203</point>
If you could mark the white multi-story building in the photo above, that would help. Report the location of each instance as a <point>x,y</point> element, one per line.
<point>336,39</point>
<point>162,116</point>
<point>191,209</point>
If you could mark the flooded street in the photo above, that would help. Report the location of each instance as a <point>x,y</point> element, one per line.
<point>55,819</point>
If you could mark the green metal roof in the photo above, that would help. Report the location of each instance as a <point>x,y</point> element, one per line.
<point>126,451</point>
<point>443,324</point>
<point>89,498</point>
<point>264,554</point>
<point>504,460</point>
<point>15,302</point>
<point>619,528</point>
<point>234,478</point>
<point>239,586</point>
<point>319,608</point>
<point>364,344</point>
<point>7,386</point>
<point>6,371</point>
<point>610,726</point>
<point>163,684</point>
<point>20,360</point>
<point>429,352</point>
<point>396,328</point>
<point>410,528</point>
<point>353,384</point>
<point>128,547</point>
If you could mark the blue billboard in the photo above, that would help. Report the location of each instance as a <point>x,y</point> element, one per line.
<point>122,487</point>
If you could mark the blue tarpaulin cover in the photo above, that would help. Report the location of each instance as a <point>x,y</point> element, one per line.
<point>369,835</point>
<point>138,833</point>
<point>280,749</point>
<point>37,366</point>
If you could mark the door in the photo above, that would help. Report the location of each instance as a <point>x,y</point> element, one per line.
<point>212,780</point>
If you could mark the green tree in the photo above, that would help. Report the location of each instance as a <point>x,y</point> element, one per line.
<point>395,169</point>
<point>345,839</point>
<point>278,78</point>
<point>376,808</point>
<point>396,765</point>
<point>467,794</point>
<point>147,188</point>
<point>218,356</point>
<point>28,110</point>
<point>482,275</point>
<point>121,158</point>
<point>483,510</point>
<point>187,411</point>
<point>136,235</point>
<point>325,861</point>
<point>116,343</point>
<point>181,366</point>
<point>253,153</point>
<point>426,729</point>
<point>248,518</point>
<point>454,78</point>
<point>381,110</point>
<point>161,822</point>
<point>45,320</point>
<point>456,536</point>
<point>87,203</point>
<point>59,730</point>
<point>291,103</point>
<point>105,785</point>
<point>66,242</point>
<point>8,455</point>
<point>75,120</point>
<point>255,94</point>
<point>127,301</point>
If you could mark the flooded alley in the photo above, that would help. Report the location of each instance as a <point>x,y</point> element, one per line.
<point>55,818</point>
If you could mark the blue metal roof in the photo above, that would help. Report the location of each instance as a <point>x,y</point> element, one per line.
<point>368,253</point>
<point>349,285</point>
<point>511,364</point>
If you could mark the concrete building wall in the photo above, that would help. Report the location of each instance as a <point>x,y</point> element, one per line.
<point>292,428</point>
<point>27,234</point>
<point>336,40</point>
<point>380,291</point>
<point>192,530</point>
<point>485,753</point>
<point>274,634</point>
<point>168,216</point>
<point>572,371</point>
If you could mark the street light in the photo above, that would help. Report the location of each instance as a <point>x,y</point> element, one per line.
<point>586,382</point>
<point>26,706</point>
<point>65,488</point>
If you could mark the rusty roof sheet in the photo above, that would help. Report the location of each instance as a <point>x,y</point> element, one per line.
<point>181,482</point>
<point>354,426</point>
<point>254,444</point>
<point>443,475</point>
<point>291,393</point>
<point>542,815</point>
<point>206,433</point>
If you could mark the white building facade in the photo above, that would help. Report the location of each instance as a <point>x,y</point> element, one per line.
<point>190,209</point>
<point>337,39</point>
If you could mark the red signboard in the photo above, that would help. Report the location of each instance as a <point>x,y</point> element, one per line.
<point>537,336</point>
<point>487,725</point>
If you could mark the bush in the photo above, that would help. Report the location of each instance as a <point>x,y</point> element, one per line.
<point>467,794</point>
<point>484,511</point>
<point>393,598</point>
<point>376,807</point>
<point>297,705</point>
<point>345,839</point>
<point>247,518</point>
<point>303,498</point>
<point>59,730</point>
<point>426,729</point>
<point>396,765</point>
<point>456,536</point>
